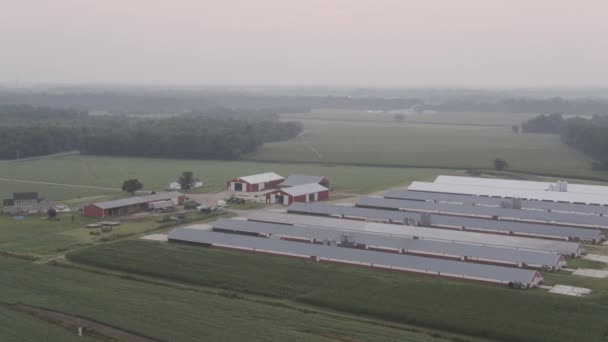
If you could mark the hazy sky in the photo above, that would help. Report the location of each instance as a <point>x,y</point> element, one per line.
<point>324,42</point>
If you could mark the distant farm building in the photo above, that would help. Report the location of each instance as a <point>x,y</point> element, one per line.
<point>254,183</point>
<point>197,183</point>
<point>294,180</point>
<point>25,202</point>
<point>304,193</point>
<point>132,205</point>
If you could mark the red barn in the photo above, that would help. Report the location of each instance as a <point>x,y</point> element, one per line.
<point>254,183</point>
<point>301,193</point>
<point>128,206</point>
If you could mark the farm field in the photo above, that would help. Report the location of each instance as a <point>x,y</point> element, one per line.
<point>496,313</point>
<point>186,315</point>
<point>344,140</point>
<point>455,118</point>
<point>18,327</point>
<point>156,174</point>
<point>37,236</point>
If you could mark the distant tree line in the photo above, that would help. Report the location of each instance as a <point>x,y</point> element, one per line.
<point>551,124</point>
<point>143,101</point>
<point>186,136</point>
<point>589,136</point>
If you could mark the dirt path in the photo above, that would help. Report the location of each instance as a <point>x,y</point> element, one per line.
<point>59,184</point>
<point>74,322</point>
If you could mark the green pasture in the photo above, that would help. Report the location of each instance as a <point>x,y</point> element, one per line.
<point>156,174</point>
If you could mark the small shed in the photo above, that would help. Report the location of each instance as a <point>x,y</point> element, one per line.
<point>304,193</point>
<point>254,183</point>
<point>294,180</point>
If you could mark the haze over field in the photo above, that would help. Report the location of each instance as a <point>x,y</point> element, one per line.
<point>340,42</point>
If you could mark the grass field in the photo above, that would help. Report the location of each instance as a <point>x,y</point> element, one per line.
<point>157,173</point>
<point>345,138</point>
<point>491,312</point>
<point>39,237</point>
<point>174,314</point>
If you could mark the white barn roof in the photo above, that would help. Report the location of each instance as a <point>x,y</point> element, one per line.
<point>294,180</point>
<point>521,184</point>
<point>261,178</point>
<point>304,189</point>
<point>506,192</point>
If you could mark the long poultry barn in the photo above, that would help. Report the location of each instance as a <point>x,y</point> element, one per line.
<point>559,186</point>
<point>535,195</point>
<point>354,213</point>
<point>450,222</point>
<point>569,249</point>
<point>514,277</point>
<point>255,183</point>
<point>572,208</point>
<point>396,244</point>
<point>499,213</point>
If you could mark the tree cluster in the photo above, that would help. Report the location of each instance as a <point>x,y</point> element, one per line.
<point>186,136</point>
<point>551,124</point>
<point>589,136</point>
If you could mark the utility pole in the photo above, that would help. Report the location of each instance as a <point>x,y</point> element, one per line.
<point>17,154</point>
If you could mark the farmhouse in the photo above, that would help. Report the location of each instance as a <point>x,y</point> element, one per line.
<point>25,202</point>
<point>131,205</point>
<point>254,183</point>
<point>294,180</point>
<point>300,193</point>
<point>196,183</point>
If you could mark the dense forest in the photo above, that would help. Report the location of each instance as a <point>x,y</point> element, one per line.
<point>589,136</point>
<point>40,131</point>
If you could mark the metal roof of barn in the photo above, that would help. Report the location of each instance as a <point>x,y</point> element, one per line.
<point>538,195</point>
<point>294,180</point>
<point>353,212</point>
<point>261,178</point>
<point>123,202</point>
<point>505,214</point>
<point>440,210</point>
<point>429,247</point>
<point>497,202</point>
<point>427,233</point>
<point>521,184</point>
<point>304,189</point>
<point>438,267</point>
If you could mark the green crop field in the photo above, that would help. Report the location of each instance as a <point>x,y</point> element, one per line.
<point>340,138</point>
<point>110,172</point>
<point>491,312</point>
<point>171,313</point>
<point>19,327</point>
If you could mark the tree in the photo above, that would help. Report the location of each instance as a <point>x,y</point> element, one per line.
<point>500,164</point>
<point>186,180</point>
<point>399,117</point>
<point>51,213</point>
<point>132,185</point>
<point>515,129</point>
